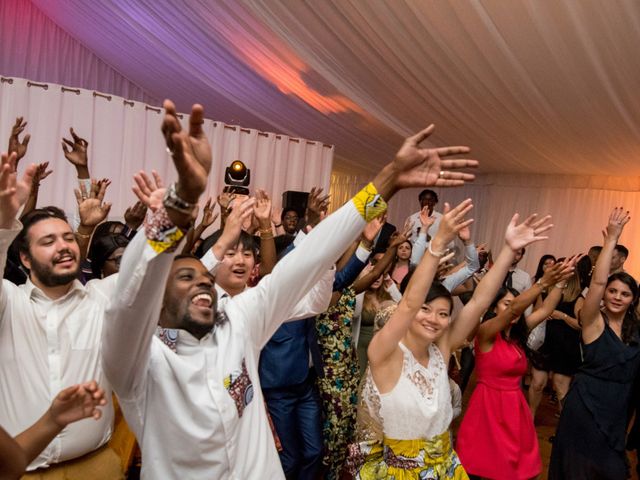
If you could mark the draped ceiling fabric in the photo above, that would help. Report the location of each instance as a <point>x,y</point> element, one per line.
<point>545,92</point>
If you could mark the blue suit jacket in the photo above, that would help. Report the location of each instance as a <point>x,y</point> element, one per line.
<point>284,360</point>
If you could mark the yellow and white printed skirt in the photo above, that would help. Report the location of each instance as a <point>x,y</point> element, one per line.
<point>432,459</point>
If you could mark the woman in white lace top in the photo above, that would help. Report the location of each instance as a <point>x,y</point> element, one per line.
<point>405,409</point>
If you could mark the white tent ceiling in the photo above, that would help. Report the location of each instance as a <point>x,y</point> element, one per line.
<point>532,86</point>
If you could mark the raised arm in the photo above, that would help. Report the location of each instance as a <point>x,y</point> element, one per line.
<point>385,342</point>
<point>298,271</point>
<point>558,279</point>
<point>75,151</point>
<point>365,281</point>
<point>590,316</point>
<point>262,212</point>
<point>492,327</point>
<point>420,244</point>
<point>516,237</point>
<point>15,145</point>
<point>470,266</point>
<point>32,201</point>
<point>134,311</point>
<point>92,210</point>
<point>13,195</point>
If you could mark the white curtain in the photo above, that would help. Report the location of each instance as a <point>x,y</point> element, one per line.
<point>580,207</point>
<point>124,137</point>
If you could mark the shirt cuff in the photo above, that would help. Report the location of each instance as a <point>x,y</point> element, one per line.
<point>210,261</point>
<point>362,254</point>
<point>7,235</point>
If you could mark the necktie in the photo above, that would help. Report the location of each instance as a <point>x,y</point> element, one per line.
<point>508,281</point>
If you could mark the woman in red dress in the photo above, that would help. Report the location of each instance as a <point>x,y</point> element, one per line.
<point>497,438</point>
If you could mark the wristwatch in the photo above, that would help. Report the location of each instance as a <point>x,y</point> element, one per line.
<point>173,201</point>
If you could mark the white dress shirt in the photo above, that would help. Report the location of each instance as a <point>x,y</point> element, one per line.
<point>47,345</point>
<point>520,280</point>
<point>318,299</point>
<point>199,413</point>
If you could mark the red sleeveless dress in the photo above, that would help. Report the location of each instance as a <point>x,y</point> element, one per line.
<point>497,438</point>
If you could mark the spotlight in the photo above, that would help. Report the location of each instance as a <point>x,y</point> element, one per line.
<point>237,177</point>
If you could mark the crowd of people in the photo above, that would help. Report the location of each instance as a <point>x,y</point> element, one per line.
<point>298,344</point>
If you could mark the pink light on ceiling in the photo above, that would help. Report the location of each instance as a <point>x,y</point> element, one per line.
<point>284,69</point>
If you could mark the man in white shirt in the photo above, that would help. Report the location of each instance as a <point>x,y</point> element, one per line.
<point>517,278</point>
<point>198,411</point>
<point>429,199</point>
<point>50,330</point>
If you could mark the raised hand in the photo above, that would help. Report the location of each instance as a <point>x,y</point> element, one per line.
<point>149,191</point>
<point>190,151</point>
<point>134,215</point>
<point>560,271</point>
<point>398,238</point>
<point>451,223</point>
<point>40,174</point>
<point>77,402</point>
<point>15,145</point>
<point>13,192</point>
<point>617,220</point>
<point>262,209</point>
<point>76,153</point>
<point>208,217</point>
<point>464,234</point>
<point>317,204</point>
<point>529,231</point>
<point>422,167</point>
<point>425,219</point>
<point>91,206</point>
<point>372,229</point>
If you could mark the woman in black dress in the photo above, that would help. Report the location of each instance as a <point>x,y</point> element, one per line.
<point>562,341</point>
<point>589,442</point>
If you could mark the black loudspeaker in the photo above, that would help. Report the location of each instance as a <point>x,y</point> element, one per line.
<point>296,201</point>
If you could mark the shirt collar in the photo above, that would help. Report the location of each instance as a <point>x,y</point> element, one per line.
<point>32,290</point>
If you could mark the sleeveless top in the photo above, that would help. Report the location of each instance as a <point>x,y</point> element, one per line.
<point>419,405</point>
<point>604,382</point>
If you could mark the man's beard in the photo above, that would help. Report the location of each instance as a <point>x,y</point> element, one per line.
<point>196,329</point>
<point>47,277</point>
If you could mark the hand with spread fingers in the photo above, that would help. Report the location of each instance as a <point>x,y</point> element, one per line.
<point>617,220</point>
<point>416,166</point>
<point>134,215</point>
<point>91,205</point>
<point>560,271</point>
<point>453,220</point>
<point>262,209</point>
<point>40,174</point>
<point>149,191</point>
<point>398,238</point>
<point>317,205</point>
<point>208,217</point>
<point>13,192</point>
<point>75,151</point>
<point>426,220</point>
<point>520,235</point>
<point>15,145</point>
